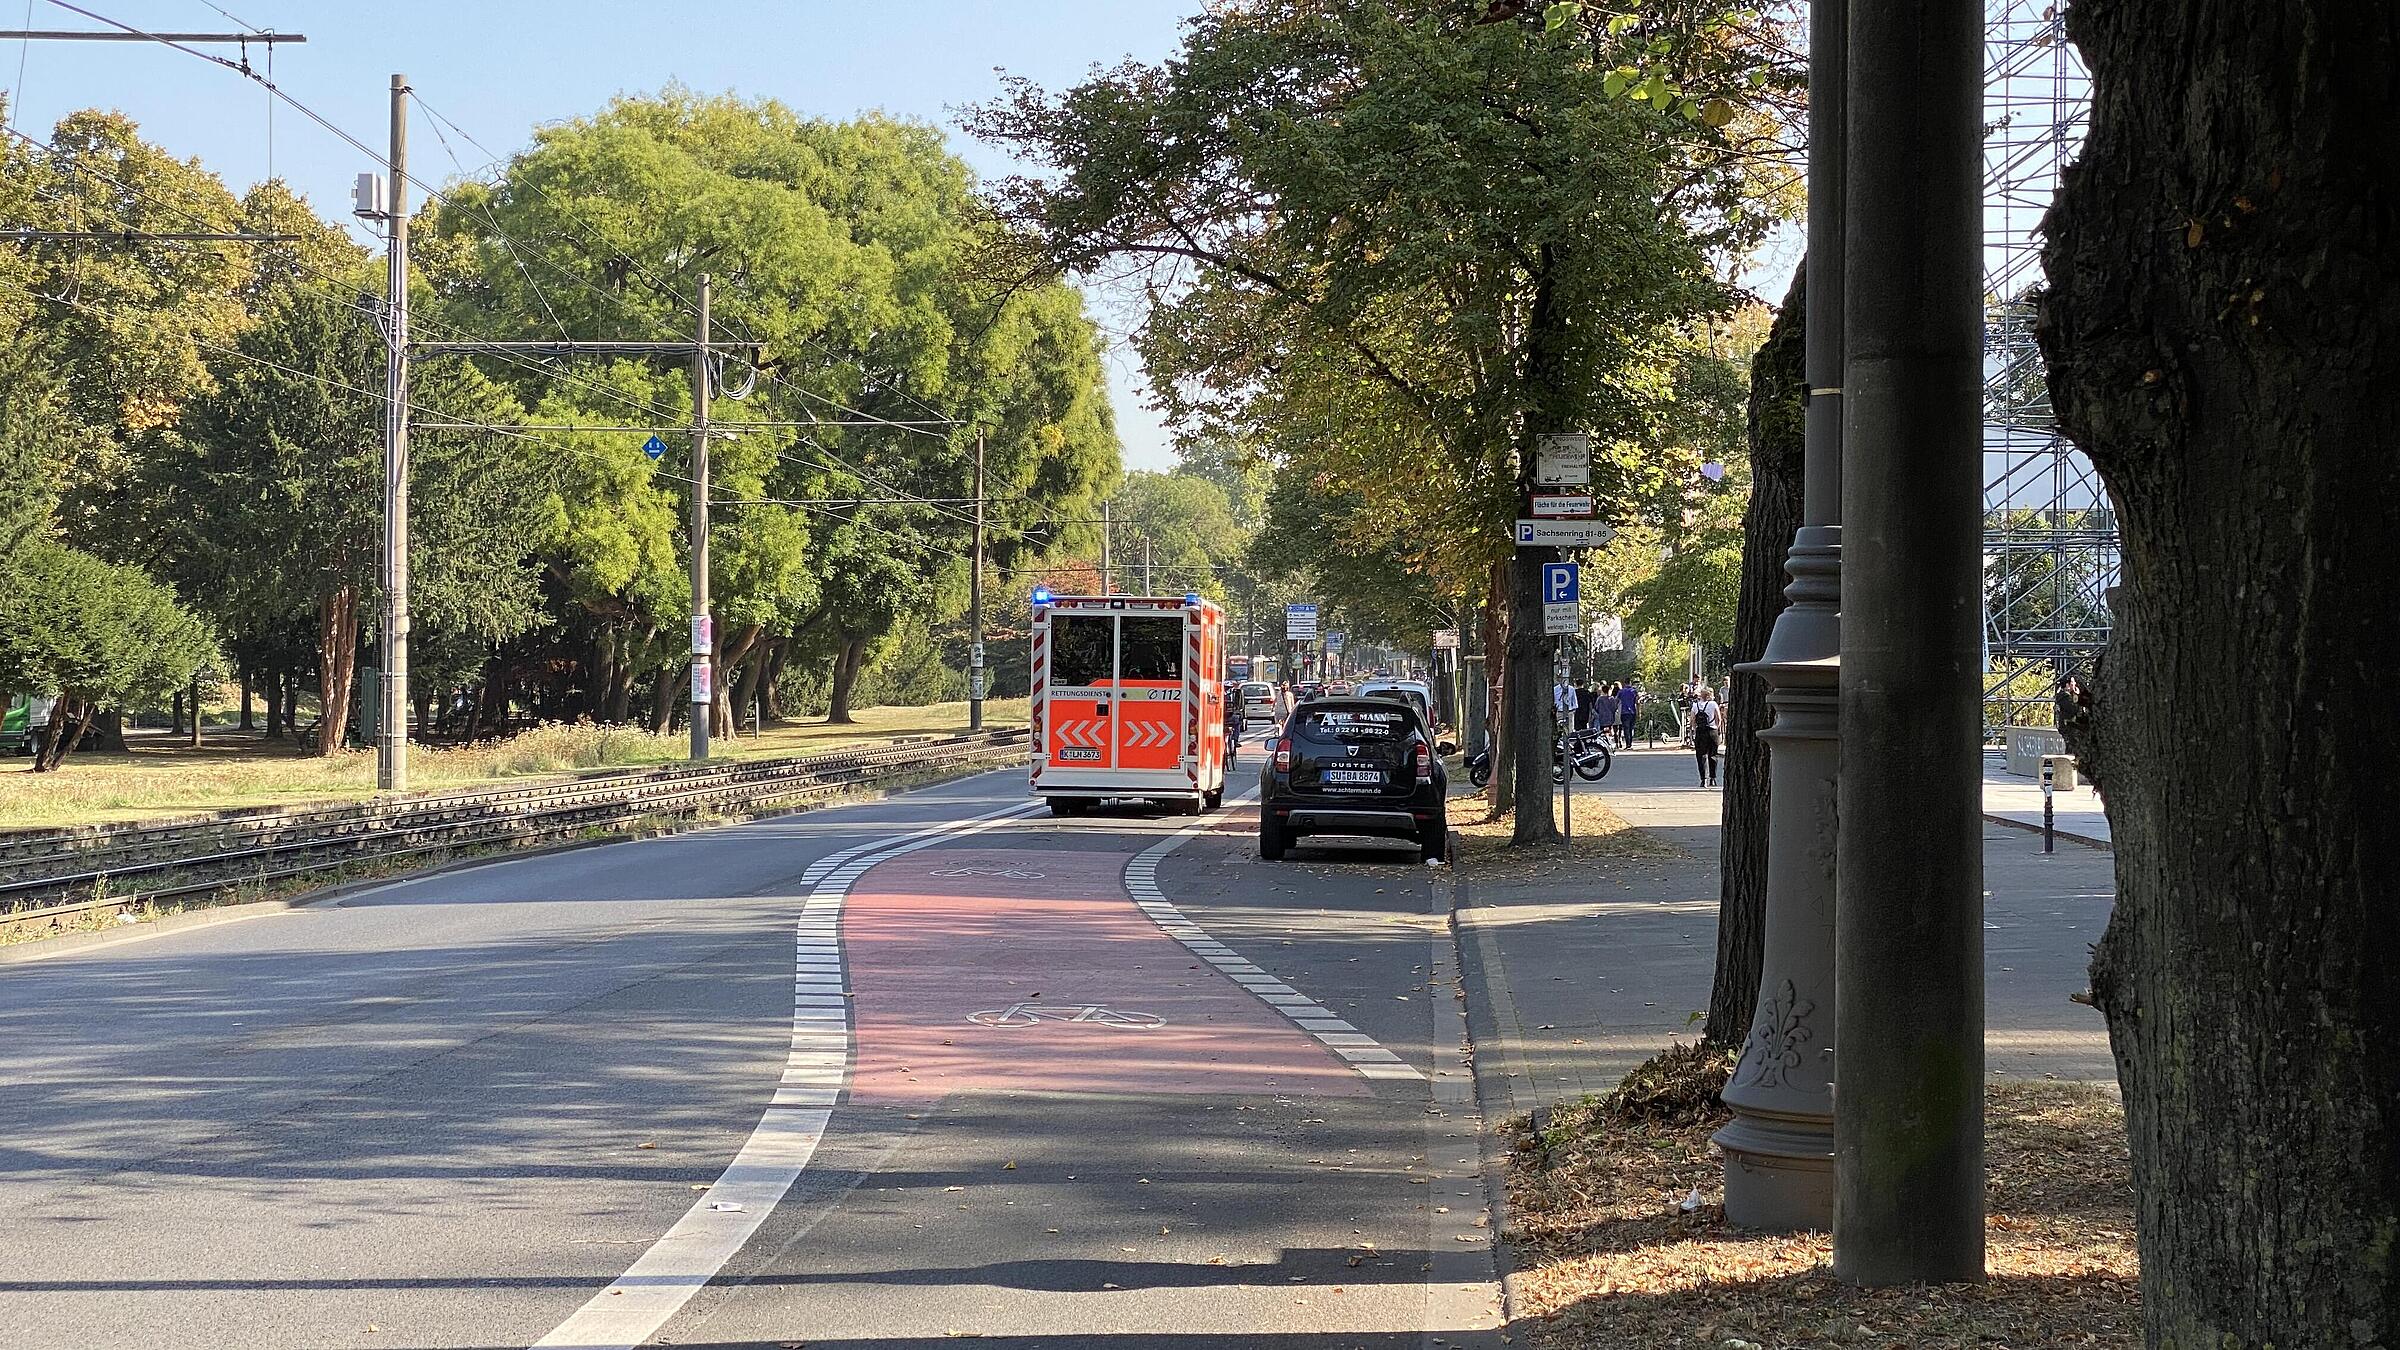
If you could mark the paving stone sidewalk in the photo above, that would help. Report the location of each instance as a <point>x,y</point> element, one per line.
<point>1575,980</point>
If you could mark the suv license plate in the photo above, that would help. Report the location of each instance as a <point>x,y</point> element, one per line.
<point>1356,777</point>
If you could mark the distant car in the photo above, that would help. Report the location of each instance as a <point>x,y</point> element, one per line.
<point>1257,702</point>
<point>1414,693</point>
<point>1359,766</point>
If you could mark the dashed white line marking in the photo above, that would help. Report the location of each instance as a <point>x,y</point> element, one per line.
<point>1355,1047</point>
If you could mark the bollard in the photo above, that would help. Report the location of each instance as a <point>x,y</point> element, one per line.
<point>2049,805</point>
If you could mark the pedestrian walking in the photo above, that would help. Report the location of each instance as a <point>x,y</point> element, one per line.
<point>1707,717</point>
<point>1587,699</point>
<point>1629,704</point>
<point>1683,713</point>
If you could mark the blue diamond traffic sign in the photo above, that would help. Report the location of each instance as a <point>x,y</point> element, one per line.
<point>654,447</point>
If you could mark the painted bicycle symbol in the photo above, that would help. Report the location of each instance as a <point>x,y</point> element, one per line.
<point>1008,873</point>
<point>1028,1014</point>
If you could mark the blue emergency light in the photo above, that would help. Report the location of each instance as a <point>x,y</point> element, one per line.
<point>1191,599</point>
<point>1041,595</point>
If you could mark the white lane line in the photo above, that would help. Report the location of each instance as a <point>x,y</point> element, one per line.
<point>818,870</point>
<point>815,1074</point>
<point>1358,1049</point>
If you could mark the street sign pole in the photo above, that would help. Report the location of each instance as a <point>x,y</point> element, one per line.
<point>391,731</point>
<point>975,603</point>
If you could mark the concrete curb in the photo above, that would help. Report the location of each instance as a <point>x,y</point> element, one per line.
<point>1492,982</point>
<point>2069,835</point>
<point>39,949</point>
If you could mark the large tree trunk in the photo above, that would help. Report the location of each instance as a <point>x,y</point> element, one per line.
<point>665,693</point>
<point>337,661</point>
<point>1530,706</point>
<point>246,698</point>
<point>846,661</point>
<point>754,664</point>
<point>1777,389</point>
<point>722,720</point>
<point>68,716</point>
<point>1532,654</point>
<point>771,678</point>
<point>2223,338</point>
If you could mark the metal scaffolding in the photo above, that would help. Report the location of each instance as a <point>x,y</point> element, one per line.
<point>2050,537</point>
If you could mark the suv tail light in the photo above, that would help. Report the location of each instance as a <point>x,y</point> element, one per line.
<point>1283,755</point>
<point>1424,763</point>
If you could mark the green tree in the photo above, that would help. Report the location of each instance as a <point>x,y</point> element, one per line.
<point>97,633</point>
<point>852,251</point>
<point>279,472</point>
<point>1427,242</point>
<point>1178,529</point>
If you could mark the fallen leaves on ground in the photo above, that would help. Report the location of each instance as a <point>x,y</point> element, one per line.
<point>1598,835</point>
<point>1612,1260</point>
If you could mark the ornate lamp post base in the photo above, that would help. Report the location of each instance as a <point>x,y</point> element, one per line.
<point>1779,1145</point>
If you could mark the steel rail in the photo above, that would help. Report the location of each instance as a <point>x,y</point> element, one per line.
<point>550,810</point>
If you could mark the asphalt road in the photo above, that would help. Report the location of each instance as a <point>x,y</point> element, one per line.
<point>886,1075</point>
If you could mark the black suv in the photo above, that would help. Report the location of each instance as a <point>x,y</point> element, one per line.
<point>1353,766</point>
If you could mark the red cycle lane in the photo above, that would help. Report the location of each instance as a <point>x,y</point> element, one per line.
<point>1021,970</point>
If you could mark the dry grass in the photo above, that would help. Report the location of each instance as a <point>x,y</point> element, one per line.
<point>159,779</point>
<point>1612,1260</point>
<point>1597,835</point>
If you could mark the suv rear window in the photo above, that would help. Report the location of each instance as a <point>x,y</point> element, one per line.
<point>1331,725</point>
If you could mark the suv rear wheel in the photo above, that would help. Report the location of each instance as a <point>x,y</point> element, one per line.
<point>1433,839</point>
<point>1273,836</point>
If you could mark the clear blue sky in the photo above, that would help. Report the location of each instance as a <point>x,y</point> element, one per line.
<point>500,67</point>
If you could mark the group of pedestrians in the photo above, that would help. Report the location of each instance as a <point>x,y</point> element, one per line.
<point>1612,709</point>
<point>1609,709</point>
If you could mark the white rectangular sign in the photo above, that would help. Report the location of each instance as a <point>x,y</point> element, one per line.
<point>1562,504</point>
<point>1445,639</point>
<point>700,671</point>
<point>1562,459</point>
<point>1561,619</point>
<point>1565,533</point>
<point>701,632</point>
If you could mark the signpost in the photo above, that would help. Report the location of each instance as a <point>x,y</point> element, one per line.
<point>1565,533</point>
<point>1562,599</point>
<point>1445,639</point>
<point>1300,623</point>
<point>1562,459</point>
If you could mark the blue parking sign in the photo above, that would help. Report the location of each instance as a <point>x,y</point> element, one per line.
<point>1562,584</point>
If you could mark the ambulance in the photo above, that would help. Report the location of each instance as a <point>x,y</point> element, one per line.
<point>1128,701</point>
